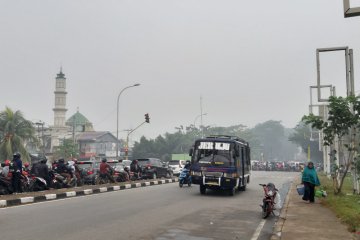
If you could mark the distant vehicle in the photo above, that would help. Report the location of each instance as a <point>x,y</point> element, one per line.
<point>220,162</point>
<point>176,166</point>
<point>154,168</point>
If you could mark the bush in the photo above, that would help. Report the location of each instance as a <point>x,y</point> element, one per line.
<point>345,205</point>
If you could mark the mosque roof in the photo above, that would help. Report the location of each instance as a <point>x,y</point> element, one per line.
<point>78,118</point>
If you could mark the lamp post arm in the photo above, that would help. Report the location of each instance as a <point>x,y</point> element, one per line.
<point>117,117</point>
<point>127,138</point>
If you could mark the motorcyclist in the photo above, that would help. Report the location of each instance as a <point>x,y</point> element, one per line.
<point>187,165</point>
<point>43,171</point>
<point>6,168</point>
<point>135,168</point>
<point>16,178</point>
<point>78,171</point>
<point>26,168</point>
<point>63,170</point>
<point>127,172</point>
<point>106,170</point>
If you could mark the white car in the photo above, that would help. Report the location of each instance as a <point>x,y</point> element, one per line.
<point>176,166</point>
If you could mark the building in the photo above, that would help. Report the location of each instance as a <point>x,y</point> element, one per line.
<point>59,130</point>
<point>96,145</point>
<point>77,127</point>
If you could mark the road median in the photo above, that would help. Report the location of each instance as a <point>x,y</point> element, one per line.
<point>32,197</point>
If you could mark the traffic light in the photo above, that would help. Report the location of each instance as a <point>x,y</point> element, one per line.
<point>147,119</point>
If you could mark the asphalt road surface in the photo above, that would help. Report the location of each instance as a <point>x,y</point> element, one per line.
<point>162,212</point>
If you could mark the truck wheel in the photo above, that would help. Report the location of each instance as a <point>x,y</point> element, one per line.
<point>202,189</point>
<point>232,191</point>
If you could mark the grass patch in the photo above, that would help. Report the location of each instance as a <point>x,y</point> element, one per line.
<point>345,205</point>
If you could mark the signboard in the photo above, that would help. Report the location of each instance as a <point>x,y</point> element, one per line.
<point>218,145</point>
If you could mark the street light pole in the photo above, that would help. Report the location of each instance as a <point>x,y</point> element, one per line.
<point>117,117</point>
<point>200,115</point>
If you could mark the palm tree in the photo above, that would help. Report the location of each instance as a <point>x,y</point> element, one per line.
<point>14,130</point>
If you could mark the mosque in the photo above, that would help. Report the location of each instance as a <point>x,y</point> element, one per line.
<point>92,144</point>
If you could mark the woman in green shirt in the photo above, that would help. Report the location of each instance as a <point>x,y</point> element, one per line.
<point>310,179</point>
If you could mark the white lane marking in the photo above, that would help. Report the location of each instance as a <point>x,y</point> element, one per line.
<point>137,184</point>
<point>258,230</point>
<point>127,186</point>
<point>103,189</point>
<point>116,188</point>
<point>147,183</point>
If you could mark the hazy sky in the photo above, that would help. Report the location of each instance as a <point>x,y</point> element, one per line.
<point>251,61</point>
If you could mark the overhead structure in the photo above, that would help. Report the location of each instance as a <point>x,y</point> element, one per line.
<point>349,71</point>
<point>350,11</point>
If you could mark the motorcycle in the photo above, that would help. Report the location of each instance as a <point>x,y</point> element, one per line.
<point>184,178</point>
<point>5,186</point>
<point>103,178</point>
<point>56,180</point>
<point>38,184</point>
<point>268,205</point>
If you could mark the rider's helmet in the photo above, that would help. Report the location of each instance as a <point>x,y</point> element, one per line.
<point>17,155</point>
<point>104,160</point>
<point>7,162</point>
<point>61,160</point>
<point>26,164</point>
<point>187,162</point>
<point>44,160</point>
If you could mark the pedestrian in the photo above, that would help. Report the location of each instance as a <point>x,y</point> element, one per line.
<point>16,177</point>
<point>310,179</point>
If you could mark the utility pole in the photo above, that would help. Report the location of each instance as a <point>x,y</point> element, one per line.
<point>147,120</point>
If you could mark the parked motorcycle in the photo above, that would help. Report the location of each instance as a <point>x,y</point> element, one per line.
<point>38,184</point>
<point>268,205</point>
<point>56,180</point>
<point>184,177</point>
<point>5,186</point>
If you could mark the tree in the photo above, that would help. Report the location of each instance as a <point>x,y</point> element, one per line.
<point>271,139</point>
<point>181,141</point>
<point>67,150</point>
<point>343,119</point>
<point>14,131</point>
<point>301,136</point>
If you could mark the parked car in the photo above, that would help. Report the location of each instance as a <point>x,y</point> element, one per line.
<point>176,166</point>
<point>154,168</point>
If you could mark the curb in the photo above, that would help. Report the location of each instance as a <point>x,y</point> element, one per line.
<point>71,194</point>
<point>277,229</point>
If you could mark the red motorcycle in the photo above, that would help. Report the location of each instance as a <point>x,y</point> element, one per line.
<point>268,205</point>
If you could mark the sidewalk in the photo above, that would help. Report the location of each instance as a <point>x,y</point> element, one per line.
<point>300,220</point>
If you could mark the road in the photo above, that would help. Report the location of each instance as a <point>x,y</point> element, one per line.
<point>162,212</point>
